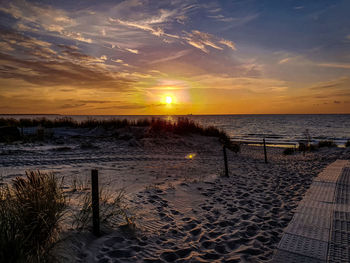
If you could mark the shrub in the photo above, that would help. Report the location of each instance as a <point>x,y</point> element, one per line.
<point>329,143</point>
<point>347,144</point>
<point>288,151</point>
<point>30,211</point>
<point>234,147</point>
<point>304,148</point>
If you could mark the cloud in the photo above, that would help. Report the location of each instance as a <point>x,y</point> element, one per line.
<point>215,10</point>
<point>239,21</point>
<point>70,106</point>
<point>334,65</point>
<point>134,51</point>
<point>41,18</point>
<point>76,36</point>
<point>171,57</point>
<point>155,25</point>
<point>283,61</point>
<point>124,107</point>
<point>228,43</point>
<point>241,84</point>
<point>203,40</point>
<point>222,18</point>
<point>143,26</point>
<point>60,73</point>
<point>336,90</point>
<point>336,84</point>
<point>44,64</point>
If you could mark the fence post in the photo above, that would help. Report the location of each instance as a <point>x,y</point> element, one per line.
<point>225,160</point>
<point>95,203</point>
<point>265,150</point>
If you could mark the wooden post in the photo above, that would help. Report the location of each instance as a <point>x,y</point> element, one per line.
<point>95,203</point>
<point>225,160</point>
<point>265,150</point>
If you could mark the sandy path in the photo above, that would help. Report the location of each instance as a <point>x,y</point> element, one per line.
<point>236,219</point>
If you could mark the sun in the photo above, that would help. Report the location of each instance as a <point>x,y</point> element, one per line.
<point>168,99</point>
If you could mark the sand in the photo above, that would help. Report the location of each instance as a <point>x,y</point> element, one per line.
<point>185,210</point>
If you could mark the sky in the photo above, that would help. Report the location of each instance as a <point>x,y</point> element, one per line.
<point>210,57</point>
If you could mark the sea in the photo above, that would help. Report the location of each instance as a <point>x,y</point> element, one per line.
<point>285,130</point>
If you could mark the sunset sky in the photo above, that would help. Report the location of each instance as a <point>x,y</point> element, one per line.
<point>209,57</point>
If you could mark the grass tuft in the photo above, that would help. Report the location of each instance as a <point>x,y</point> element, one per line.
<point>30,211</point>
<point>113,211</point>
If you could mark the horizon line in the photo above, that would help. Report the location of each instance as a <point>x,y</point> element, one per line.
<point>225,114</point>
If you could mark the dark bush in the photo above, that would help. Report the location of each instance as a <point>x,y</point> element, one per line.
<point>235,147</point>
<point>329,143</point>
<point>307,148</point>
<point>288,151</point>
<point>347,144</point>
<point>9,133</point>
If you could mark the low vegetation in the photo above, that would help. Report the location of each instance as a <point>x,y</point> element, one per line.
<point>157,127</point>
<point>329,143</point>
<point>71,123</point>
<point>347,144</point>
<point>307,147</point>
<point>114,211</point>
<point>288,151</point>
<point>30,211</point>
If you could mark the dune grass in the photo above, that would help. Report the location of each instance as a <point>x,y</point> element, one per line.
<point>114,211</point>
<point>30,211</point>
<point>71,123</point>
<point>157,127</point>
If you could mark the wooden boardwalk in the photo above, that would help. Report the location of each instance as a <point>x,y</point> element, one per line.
<point>320,228</point>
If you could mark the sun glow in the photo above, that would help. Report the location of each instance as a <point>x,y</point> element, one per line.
<point>168,99</point>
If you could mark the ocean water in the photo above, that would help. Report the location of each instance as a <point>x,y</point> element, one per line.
<point>276,129</point>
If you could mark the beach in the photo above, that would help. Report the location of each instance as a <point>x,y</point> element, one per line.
<point>183,208</point>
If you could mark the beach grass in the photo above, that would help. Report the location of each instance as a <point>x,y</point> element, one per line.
<point>30,211</point>
<point>114,210</point>
<point>157,126</point>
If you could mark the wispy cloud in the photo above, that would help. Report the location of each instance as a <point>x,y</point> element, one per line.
<point>42,63</point>
<point>134,51</point>
<point>35,17</point>
<point>171,57</point>
<point>334,65</point>
<point>283,61</point>
<point>299,7</point>
<point>203,40</point>
<point>340,83</point>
